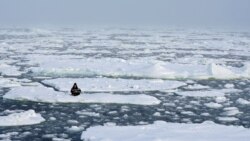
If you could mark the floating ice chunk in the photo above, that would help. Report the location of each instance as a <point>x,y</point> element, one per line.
<point>231,111</point>
<point>227,119</point>
<point>43,94</point>
<point>221,72</point>
<point>7,136</point>
<point>7,83</point>
<point>208,93</point>
<point>5,112</point>
<point>157,114</point>
<point>163,131</point>
<point>220,99</point>
<point>197,87</point>
<point>52,118</point>
<point>72,121</point>
<point>229,86</point>
<point>190,113</point>
<point>75,129</point>
<point>205,114</point>
<point>243,101</point>
<point>109,84</point>
<point>201,93</point>
<point>9,70</point>
<point>129,68</point>
<point>213,105</point>
<point>23,118</point>
<point>85,113</point>
<point>60,139</point>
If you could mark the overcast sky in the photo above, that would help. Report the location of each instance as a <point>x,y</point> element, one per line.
<point>228,12</point>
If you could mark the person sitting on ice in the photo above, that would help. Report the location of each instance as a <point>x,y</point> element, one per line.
<point>75,91</point>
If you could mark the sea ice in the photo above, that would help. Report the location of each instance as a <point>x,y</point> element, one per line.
<point>220,99</point>
<point>197,87</point>
<point>9,70</point>
<point>7,83</point>
<point>109,84</point>
<point>243,101</point>
<point>227,119</point>
<point>208,93</point>
<point>22,118</point>
<point>74,129</point>
<point>85,113</point>
<point>231,111</point>
<point>129,68</point>
<point>163,131</point>
<point>43,94</point>
<point>213,105</point>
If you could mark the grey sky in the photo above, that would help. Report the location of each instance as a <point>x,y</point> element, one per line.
<point>125,11</point>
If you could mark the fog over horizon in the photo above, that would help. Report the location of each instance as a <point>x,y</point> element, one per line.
<point>148,12</point>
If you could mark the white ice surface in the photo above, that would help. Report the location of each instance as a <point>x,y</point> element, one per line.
<point>243,101</point>
<point>197,87</point>
<point>55,66</point>
<point>231,111</point>
<point>208,93</point>
<point>227,119</point>
<point>7,83</point>
<point>213,105</point>
<point>163,131</point>
<point>9,70</point>
<point>22,118</point>
<point>43,94</point>
<point>109,84</point>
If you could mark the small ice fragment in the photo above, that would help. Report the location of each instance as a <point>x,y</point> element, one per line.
<point>243,101</point>
<point>213,105</point>
<point>23,118</point>
<point>220,99</point>
<point>229,86</point>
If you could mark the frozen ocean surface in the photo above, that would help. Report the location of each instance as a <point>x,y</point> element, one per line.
<point>134,81</point>
<point>163,131</point>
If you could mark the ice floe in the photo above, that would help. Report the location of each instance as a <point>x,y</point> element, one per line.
<point>7,82</point>
<point>9,70</point>
<point>208,93</point>
<point>221,99</point>
<point>163,131</point>
<point>7,136</point>
<point>43,94</point>
<point>231,111</point>
<point>109,84</point>
<point>213,105</point>
<point>243,101</point>
<point>227,119</point>
<point>130,68</point>
<point>85,113</point>
<point>21,118</point>
<point>197,87</point>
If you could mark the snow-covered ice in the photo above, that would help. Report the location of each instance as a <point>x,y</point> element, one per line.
<point>213,105</point>
<point>163,131</point>
<point>21,118</point>
<point>227,119</point>
<point>221,99</point>
<point>6,82</point>
<point>208,93</point>
<point>137,68</point>
<point>126,66</point>
<point>9,70</point>
<point>243,101</point>
<point>85,113</point>
<point>43,94</point>
<point>197,87</point>
<point>231,111</point>
<point>109,84</point>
